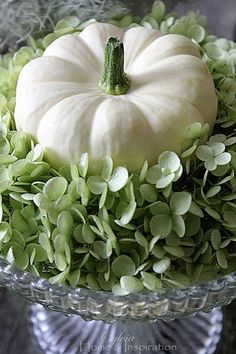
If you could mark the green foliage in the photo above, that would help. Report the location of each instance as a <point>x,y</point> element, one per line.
<point>167,225</point>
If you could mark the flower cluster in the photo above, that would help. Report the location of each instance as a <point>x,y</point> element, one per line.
<point>166,225</point>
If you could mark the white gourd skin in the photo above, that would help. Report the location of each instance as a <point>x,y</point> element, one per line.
<point>59,103</point>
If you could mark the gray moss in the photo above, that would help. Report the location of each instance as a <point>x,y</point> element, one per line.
<point>21,18</point>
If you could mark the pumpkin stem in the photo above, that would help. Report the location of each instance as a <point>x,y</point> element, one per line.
<point>114,81</point>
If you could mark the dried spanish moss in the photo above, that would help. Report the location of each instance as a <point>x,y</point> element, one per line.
<point>21,18</point>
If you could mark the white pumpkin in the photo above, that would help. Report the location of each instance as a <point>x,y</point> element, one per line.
<point>134,116</point>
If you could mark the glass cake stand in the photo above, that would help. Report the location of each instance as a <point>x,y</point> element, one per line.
<point>87,321</point>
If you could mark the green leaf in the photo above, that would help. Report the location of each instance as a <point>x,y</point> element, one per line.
<point>153,242</point>
<point>180,203</point>
<point>131,284</point>
<point>178,173</point>
<point>193,131</point>
<point>46,245</point>
<point>221,259</point>
<point>148,193</point>
<point>48,39</point>
<point>160,208</point>
<point>55,188</point>
<point>74,171</point>
<point>69,21</point>
<point>143,172</point>
<point>39,168</point>
<point>94,254</point>
<point>27,196</point>
<point>210,165</point>
<point>88,234</point>
<point>161,225</point>
<point>59,241</point>
<point>173,239</point>
<point>158,10</point>
<point>18,222</point>
<point>10,256</point>
<point>109,232</point>
<point>189,152</point>
<point>129,190</point>
<point>108,248</point>
<point>179,280</point>
<point>223,158</point>
<point>141,240</point>
<point>98,223</point>
<point>5,178</point>
<point>229,217</point>
<point>118,179</point>
<point>128,213</point>
<point>151,282</point>
<point>17,237</point>
<point>65,223</point>
<point>5,232</point>
<point>196,210</point>
<point>1,210</point>
<point>36,154</point>
<point>213,51</point>
<point>40,254</point>
<point>217,148</point>
<point>41,201</point>
<point>85,260</point>
<point>4,146</point>
<point>83,191</point>
<point>17,196</point>
<point>153,174</point>
<point>219,138</point>
<point>196,32</point>
<point>179,28</point>
<point>216,239</point>
<point>213,213</point>
<point>174,251</point>
<point>178,225</point>
<point>161,266</point>
<point>7,159</point>
<point>204,153</point>
<point>22,260</point>
<point>230,141</point>
<point>193,224</point>
<point>20,168</point>
<point>92,282</point>
<point>169,160</point>
<point>100,248</point>
<point>123,265</point>
<point>213,191</point>
<point>74,277</point>
<point>59,278</point>
<point>83,165</point>
<point>4,185</point>
<point>107,168</point>
<point>165,180</point>
<point>103,198</point>
<point>118,290</point>
<point>96,184</point>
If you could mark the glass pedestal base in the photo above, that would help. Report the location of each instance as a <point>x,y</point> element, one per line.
<point>57,334</point>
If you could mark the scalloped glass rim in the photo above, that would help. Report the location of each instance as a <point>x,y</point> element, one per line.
<point>108,307</point>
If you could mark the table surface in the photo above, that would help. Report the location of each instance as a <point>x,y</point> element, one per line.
<point>15,336</point>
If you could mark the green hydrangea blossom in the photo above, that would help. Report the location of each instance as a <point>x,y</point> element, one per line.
<point>119,231</point>
<point>213,155</point>
<point>168,170</point>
